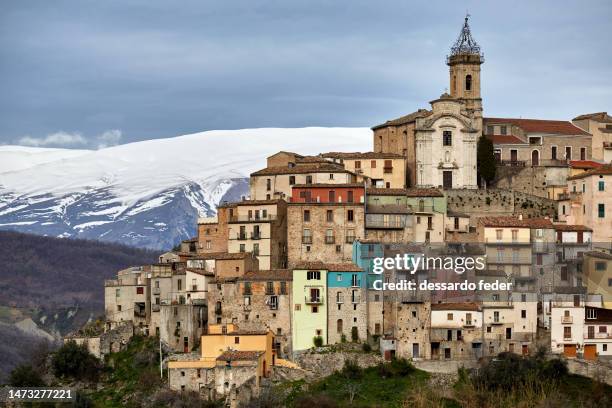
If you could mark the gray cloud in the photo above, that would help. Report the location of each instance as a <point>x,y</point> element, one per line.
<point>58,139</point>
<point>154,68</point>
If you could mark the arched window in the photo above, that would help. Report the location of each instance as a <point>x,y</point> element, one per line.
<point>468,82</point>
<point>339,325</point>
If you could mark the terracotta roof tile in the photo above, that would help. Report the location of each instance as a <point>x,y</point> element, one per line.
<point>585,164</point>
<point>602,117</point>
<point>605,170</point>
<point>233,355</point>
<point>509,221</point>
<point>599,254</point>
<point>269,275</point>
<point>301,169</point>
<point>331,267</point>
<point>411,117</point>
<point>559,127</point>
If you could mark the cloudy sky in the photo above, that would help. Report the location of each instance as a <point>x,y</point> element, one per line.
<point>97,73</point>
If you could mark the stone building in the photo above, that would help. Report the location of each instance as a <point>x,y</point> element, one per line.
<point>275,182</point>
<point>572,242</point>
<point>600,126</point>
<point>455,331</point>
<point>588,202</point>
<point>412,332</point>
<point>260,227</point>
<point>429,205</point>
<point>127,298</point>
<point>347,311</point>
<point>598,275</point>
<point>383,170</point>
<point>389,218</point>
<point>324,231</point>
<point>212,232</point>
<point>537,142</point>
<point>256,301</point>
<point>440,145</point>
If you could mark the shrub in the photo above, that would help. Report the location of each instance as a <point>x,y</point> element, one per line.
<point>401,367</point>
<point>73,360</point>
<point>354,334</point>
<point>343,338</point>
<point>366,347</point>
<point>318,341</point>
<point>351,370</point>
<point>319,401</point>
<point>25,376</point>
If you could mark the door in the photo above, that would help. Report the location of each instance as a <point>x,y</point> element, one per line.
<point>525,349</point>
<point>447,180</point>
<point>513,155</point>
<point>569,350</point>
<point>590,351</point>
<point>591,332</point>
<point>415,350</point>
<point>535,158</point>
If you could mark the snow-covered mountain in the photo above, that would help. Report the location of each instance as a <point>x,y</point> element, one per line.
<point>148,193</point>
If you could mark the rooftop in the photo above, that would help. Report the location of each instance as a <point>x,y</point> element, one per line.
<point>602,117</point>
<point>269,275</point>
<point>506,139</point>
<point>408,192</point>
<point>605,170</point>
<point>557,127</point>
<point>331,267</point>
<point>362,155</point>
<point>566,227</point>
<point>599,254</point>
<point>456,306</point>
<point>302,169</point>
<point>509,221</point>
<point>233,355</point>
<point>410,118</point>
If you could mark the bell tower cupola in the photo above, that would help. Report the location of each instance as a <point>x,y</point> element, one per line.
<point>464,61</point>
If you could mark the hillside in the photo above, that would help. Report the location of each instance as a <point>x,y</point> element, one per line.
<point>54,285</point>
<point>149,193</point>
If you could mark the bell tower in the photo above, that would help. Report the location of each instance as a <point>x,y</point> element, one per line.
<point>464,61</point>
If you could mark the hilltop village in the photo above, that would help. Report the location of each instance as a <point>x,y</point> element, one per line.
<point>290,267</point>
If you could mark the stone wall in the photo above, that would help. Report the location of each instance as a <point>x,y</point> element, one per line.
<point>600,371</point>
<point>323,363</point>
<point>493,202</point>
<point>111,341</point>
<point>530,180</point>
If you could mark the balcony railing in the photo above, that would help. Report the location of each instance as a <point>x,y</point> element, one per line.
<point>330,240</point>
<point>246,218</point>
<point>511,163</point>
<point>306,239</point>
<point>395,224</point>
<point>313,300</point>
<point>567,319</point>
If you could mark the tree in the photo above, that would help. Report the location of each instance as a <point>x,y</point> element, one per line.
<point>486,159</point>
<point>25,376</point>
<point>73,360</point>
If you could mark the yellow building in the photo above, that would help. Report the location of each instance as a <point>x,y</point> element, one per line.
<point>385,170</point>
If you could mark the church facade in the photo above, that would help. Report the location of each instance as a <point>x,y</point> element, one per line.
<point>440,143</point>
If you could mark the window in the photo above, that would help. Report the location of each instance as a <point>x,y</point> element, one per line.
<point>514,235</point>
<point>339,325</point>
<point>283,288</point>
<point>496,317</point>
<point>236,340</point>
<point>567,332</point>
<point>523,314</point>
<point>117,292</point>
<point>503,129</point>
<point>291,180</point>
<point>449,316</point>
<point>601,210</point>
<point>499,234</point>
<point>313,275</point>
<point>553,152</point>
<point>564,273</point>
<point>118,308</point>
<point>583,153</point>
<point>268,184</point>
<point>242,248</point>
<point>306,215</point>
<point>315,309</point>
<point>329,216</point>
<point>331,196</point>
<point>339,297</point>
<point>421,205</point>
<point>298,307</point>
<point>308,179</point>
<point>357,164</point>
<point>269,288</point>
<point>350,197</point>
<point>600,266</point>
<point>583,187</point>
<point>468,82</point>
<point>568,152</point>
<point>373,164</point>
<point>350,215</point>
<point>179,284</point>
<point>447,138</point>
<point>331,176</point>
<point>329,236</point>
<point>306,236</point>
<point>601,186</point>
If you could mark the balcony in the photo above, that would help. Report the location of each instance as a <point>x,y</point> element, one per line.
<point>542,247</point>
<point>245,218</point>
<point>330,240</point>
<point>468,324</point>
<point>241,237</point>
<point>395,224</point>
<point>313,300</point>
<point>306,239</point>
<point>567,319</point>
<point>511,163</point>
<point>496,322</point>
